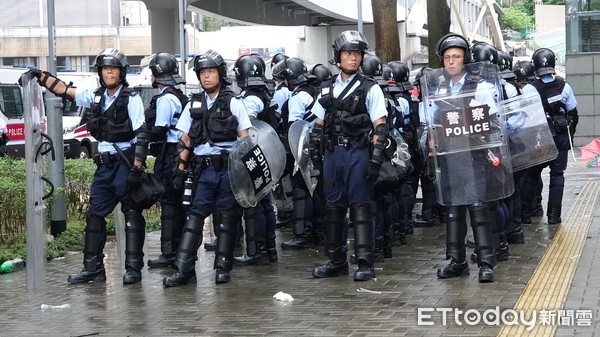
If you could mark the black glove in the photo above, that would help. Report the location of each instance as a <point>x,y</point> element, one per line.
<point>178,179</point>
<point>30,74</point>
<point>373,172</point>
<point>135,176</point>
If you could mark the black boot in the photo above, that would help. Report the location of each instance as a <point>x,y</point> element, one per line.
<point>271,250</point>
<point>426,219</point>
<point>486,273</point>
<point>93,265</point>
<point>454,269</point>
<point>362,219</point>
<point>300,241</point>
<point>334,227</point>
<point>187,254</point>
<point>260,257</point>
<point>132,276</point>
<point>135,234</point>
<point>516,236</point>
<point>85,276</point>
<point>225,246</point>
<point>538,210</point>
<point>302,236</point>
<point>180,278</point>
<point>387,247</point>
<point>170,234</point>
<point>554,214</point>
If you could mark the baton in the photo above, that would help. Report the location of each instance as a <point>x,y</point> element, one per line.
<point>571,144</point>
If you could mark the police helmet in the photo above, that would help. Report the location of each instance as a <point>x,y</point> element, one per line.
<point>165,69</point>
<point>349,40</point>
<point>401,71</point>
<point>505,65</point>
<point>372,66</point>
<point>431,76</point>
<point>295,71</point>
<point>211,59</point>
<point>544,62</point>
<point>524,71</point>
<point>321,73</point>
<point>249,71</point>
<point>112,57</point>
<point>450,41</point>
<point>484,52</point>
<point>278,58</point>
<point>388,73</point>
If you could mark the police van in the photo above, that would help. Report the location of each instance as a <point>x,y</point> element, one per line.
<point>77,141</point>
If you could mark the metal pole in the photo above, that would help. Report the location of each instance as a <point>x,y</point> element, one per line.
<point>56,168</point>
<point>182,46</point>
<point>359,18</point>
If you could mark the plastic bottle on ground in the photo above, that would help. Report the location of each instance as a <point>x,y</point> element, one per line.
<point>12,266</point>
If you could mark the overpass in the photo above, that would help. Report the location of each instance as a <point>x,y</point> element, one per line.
<point>476,20</point>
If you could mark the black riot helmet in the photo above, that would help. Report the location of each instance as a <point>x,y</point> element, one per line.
<point>211,59</point>
<point>165,69</point>
<point>372,66</point>
<point>278,58</point>
<point>431,77</point>
<point>524,71</point>
<point>401,71</point>
<point>249,71</point>
<point>484,52</point>
<point>294,71</point>
<point>321,73</point>
<point>543,61</point>
<point>450,41</point>
<point>349,40</point>
<point>112,57</point>
<point>505,64</point>
<point>388,74</point>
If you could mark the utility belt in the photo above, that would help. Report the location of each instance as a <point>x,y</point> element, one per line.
<point>156,149</point>
<point>217,161</point>
<point>345,141</point>
<point>110,158</point>
<point>558,123</point>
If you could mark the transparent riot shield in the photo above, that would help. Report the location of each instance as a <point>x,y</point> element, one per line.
<point>299,139</point>
<point>255,164</point>
<point>529,137</point>
<point>467,132</point>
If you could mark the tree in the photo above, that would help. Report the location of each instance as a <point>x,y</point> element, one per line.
<point>515,19</point>
<point>385,21</point>
<point>438,25</point>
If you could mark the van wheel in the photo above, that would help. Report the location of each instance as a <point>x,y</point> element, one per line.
<point>84,153</point>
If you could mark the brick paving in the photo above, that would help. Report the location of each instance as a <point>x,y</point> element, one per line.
<point>385,306</point>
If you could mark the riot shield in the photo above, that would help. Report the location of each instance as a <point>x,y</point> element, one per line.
<point>468,143</point>
<point>255,164</point>
<point>299,139</point>
<point>529,137</point>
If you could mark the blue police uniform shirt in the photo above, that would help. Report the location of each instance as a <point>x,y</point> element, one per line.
<point>280,96</point>
<point>375,102</point>
<point>237,108</point>
<point>135,109</point>
<point>404,108</point>
<point>481,96</point>
<point>297,104</point>
<point>528,88</point>
<point>166,108</point>
<point>510,89</point>
<point>254,105</point>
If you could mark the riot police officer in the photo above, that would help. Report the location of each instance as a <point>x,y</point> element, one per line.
<point>560,106</point>
<point>349,108</point>
<point>306,212</point>
<point>211,122</point>
<point>161,117</point>
<point>462,183</point>
<point>117,122</point>
<point>259,220</point>
<point>3,137</point>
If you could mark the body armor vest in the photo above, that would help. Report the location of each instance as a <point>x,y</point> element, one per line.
<point>349,116</point>
<point>551,96</point>
<point>308,116</point>
<point>213,125</point>
<point>150,113</point>
<point>112,125</point>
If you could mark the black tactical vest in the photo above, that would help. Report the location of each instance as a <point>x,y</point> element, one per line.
<point>113,124</point>
<point>551,96</point>
<point>213,125</point>
<point>349,116</point>
<point>308,116</point>
<point>150,113</point>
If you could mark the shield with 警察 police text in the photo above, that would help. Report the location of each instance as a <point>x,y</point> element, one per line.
<point>255,164</point>
<point>468,138</point>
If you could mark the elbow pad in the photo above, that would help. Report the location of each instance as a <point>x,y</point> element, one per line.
<point>158,133</point>
<point>381,131</point>
<point>141,146</point>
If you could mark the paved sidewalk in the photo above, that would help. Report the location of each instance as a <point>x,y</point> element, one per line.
<point>385,306</point>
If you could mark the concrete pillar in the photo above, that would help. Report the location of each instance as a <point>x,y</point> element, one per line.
<point>164,30</point>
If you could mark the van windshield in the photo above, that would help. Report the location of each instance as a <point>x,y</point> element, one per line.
<point>11,102</point>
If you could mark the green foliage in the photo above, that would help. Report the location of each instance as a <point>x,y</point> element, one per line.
<point>516,18</point>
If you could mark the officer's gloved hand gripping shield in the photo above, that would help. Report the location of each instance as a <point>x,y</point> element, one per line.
<point>529,136</point>
<point>299,140</point>
<point>255,164</point>
<point>468,143</point>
